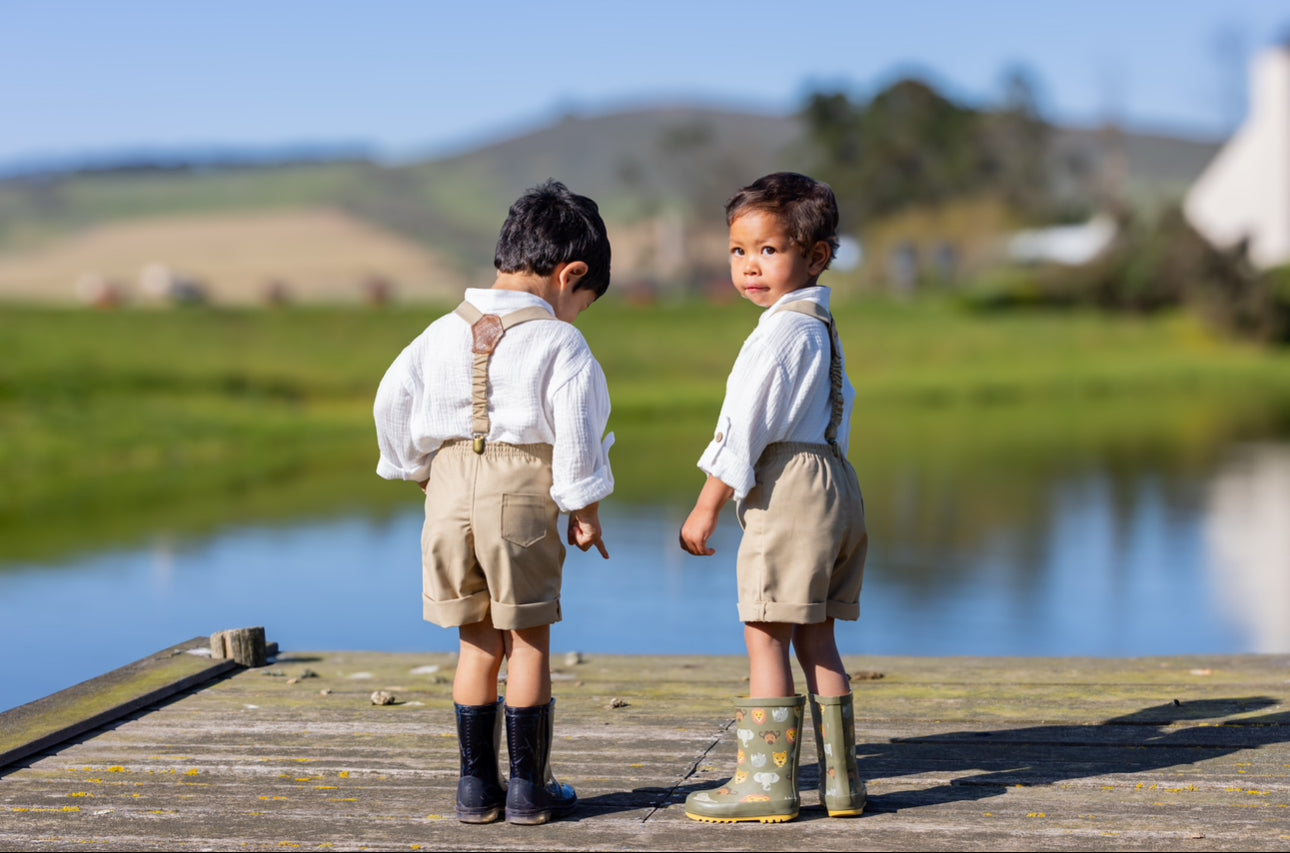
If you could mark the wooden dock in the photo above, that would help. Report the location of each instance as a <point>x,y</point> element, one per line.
<point>959,754</point>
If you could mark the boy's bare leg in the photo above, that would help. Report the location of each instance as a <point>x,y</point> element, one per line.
<point>770,673</point>
<point>817,652</point>
<point>528,671</point>
<point>483,649</point>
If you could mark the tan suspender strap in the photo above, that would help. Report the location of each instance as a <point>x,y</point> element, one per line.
<point>486,331</point>
<point>836,403</point>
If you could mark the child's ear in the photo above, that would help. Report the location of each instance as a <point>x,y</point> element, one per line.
<point>571,273</point>
<point>818,257</point>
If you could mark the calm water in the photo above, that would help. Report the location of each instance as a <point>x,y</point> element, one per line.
<point>1099,564</point>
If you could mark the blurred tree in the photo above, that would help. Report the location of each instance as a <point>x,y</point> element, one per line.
<point>1016,140</point>
<point>910,146</point>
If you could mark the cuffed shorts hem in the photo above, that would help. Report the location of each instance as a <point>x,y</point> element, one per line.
<point>476,608</point>
<point>847,612</point>
<point>515,617</point>
<point>455,613</point>
<point>778,611</point>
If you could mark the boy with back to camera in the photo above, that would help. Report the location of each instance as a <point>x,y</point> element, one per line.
<point>780,451</point>
<point>497,411</point>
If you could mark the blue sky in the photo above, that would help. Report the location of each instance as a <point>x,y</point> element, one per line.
<point>431,77</point>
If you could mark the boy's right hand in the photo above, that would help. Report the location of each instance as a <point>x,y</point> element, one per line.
<point>702,523</point>
<point>584,529</point>
<point>696,531</point>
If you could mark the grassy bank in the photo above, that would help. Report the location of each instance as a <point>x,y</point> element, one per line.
<point>118,423</point>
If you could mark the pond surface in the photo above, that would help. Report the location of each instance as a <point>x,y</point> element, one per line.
<point>1102,562</point>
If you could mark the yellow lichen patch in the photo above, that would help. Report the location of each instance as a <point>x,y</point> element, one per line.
<point>1254,793</point>
<point>346,800</point>
<point>304,760</point>
<point>1036,814</point>
<point>326,787</point>
<point>193,772</point>
<point>81,794</point>
<point>344,774</point>
<point>272,798</point>
<point>116,769</point>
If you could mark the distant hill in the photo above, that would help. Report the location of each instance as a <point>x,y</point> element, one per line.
<point>661,176</point>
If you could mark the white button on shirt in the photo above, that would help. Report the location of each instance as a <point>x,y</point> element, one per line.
<point>778,390</point>
<point>545,387</point>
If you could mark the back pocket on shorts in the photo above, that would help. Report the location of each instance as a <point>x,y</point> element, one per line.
<point>525,518</point>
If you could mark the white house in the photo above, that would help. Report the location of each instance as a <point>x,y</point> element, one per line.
<point>1244,193</point>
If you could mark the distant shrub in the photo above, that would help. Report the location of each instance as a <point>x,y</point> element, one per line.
<point>1156,265</point>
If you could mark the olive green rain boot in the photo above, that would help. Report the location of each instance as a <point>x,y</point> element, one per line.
<point>764,786</point>
<point>841,791</point>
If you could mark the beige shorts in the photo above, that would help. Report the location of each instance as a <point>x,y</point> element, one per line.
<point>804,545</point>
<point>491,544</point>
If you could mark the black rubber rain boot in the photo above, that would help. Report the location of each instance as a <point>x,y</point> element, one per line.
<point>481,795</point>
<point>533,795</point>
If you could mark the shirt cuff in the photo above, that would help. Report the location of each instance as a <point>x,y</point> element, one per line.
<point>717,461</point>
<point>587,491</point>
<point>390,471</point>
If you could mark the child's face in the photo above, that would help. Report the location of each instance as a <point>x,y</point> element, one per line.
<point>765,264</point>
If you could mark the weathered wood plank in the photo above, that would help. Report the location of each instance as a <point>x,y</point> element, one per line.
<point>972,754</point>
<point>36,726</point>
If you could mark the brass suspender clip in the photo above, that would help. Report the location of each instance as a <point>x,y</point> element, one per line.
<point>478,445</point>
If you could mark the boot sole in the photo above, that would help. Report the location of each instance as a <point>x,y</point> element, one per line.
<point>770,818</point>
<point>490,816</point>
<point>529,819</point>
<point>537,818</point>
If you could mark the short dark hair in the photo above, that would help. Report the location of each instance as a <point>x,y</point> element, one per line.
<point>549,226</point>
<point>807,207</point>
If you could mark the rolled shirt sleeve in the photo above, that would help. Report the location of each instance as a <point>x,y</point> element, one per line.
<point>754,394</point>
<point>580,468</point>
<point>403,456</point>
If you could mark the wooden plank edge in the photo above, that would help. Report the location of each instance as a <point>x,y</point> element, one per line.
<point>26,730</point>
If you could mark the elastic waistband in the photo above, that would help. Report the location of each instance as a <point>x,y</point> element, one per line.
<point>499,449</point>
<point>785,449</point>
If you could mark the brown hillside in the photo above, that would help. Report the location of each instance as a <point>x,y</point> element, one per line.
<point>308,255</point>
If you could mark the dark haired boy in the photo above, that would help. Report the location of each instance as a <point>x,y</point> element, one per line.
<point>780,451</point>
<point>498,411</point>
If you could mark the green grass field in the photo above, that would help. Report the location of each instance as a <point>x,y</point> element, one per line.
<point>119,423</point>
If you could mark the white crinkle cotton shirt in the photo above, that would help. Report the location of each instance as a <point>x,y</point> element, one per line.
<point>545,387</point>
<point>778,390</point>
